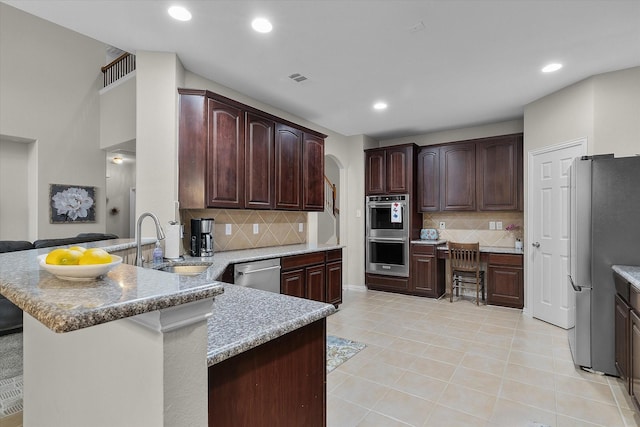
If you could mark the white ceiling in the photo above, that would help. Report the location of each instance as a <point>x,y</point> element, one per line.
<point>475,61</point>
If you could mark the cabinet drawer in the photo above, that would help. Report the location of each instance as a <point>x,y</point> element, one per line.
<point>423,249</point>
<point>296,261</point>
<point>334,254</point>
<point>387,282</point>
<point>505,259</point>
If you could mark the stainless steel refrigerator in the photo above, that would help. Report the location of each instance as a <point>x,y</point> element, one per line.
<point>604,229</point>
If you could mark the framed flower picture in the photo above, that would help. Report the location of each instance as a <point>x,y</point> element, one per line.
<point>71,204</point>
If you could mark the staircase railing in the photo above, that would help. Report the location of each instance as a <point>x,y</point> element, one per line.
<point>330,196</point>
<point>119,67</point>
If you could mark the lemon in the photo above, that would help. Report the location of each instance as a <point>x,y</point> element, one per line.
<point>63,257</point>
<point>78,248</point>
<point>95,256</point>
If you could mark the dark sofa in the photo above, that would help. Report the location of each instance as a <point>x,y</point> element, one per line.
<point>11,315</point>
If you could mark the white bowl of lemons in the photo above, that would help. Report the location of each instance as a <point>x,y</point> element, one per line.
<point>78,263</point>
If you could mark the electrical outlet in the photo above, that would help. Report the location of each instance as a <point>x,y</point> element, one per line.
<point>492,225</point>
<point>442,225</point>
<point>358,213</point>
<point>499,225</point>
<point>256,228</point>
<point>227,229</point>
<point>300,227</point>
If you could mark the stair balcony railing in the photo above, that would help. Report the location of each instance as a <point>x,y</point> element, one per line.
<point>118,68</point>
<point>330,196</point>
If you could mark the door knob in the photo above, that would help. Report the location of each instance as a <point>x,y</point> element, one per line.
<point>536,244</point>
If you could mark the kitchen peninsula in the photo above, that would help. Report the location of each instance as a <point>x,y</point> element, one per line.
<point>147,348</point>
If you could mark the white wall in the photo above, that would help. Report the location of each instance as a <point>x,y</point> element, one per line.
<point>49,81</point>
<point>158,76</point>
<point>14,208</point>
<point>118,112</point>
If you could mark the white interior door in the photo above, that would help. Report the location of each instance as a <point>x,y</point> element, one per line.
<point>548,231</point>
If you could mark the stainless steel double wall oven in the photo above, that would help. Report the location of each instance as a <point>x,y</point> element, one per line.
<point>387,235</point>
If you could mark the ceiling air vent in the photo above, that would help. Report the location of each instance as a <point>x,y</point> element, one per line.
<point>297,77</point>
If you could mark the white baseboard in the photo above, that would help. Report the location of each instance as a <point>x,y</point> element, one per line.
<point>357,288</point>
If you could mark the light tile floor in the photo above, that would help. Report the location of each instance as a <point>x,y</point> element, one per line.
<point>434,363</point>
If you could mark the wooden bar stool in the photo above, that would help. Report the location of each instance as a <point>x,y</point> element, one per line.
<point>464,268</point>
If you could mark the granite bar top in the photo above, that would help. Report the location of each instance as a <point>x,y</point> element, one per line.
<point>244,318</point>
<point>630,273</point>
<point>125,291</point>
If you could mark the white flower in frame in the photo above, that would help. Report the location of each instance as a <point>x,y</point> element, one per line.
<point>73,202</point>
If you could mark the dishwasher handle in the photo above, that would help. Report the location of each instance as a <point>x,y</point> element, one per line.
<point>275,267</point>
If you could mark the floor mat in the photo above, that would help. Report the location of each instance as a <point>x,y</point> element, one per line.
<point>339,350</point>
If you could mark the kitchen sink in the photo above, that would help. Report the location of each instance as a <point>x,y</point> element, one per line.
<point>185,270</point>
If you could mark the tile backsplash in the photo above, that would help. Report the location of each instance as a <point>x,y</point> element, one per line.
<point>275,227</point>
<point>467,227</point>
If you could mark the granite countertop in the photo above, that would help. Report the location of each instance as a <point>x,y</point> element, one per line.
<point>125,291</point>
<point>242,318</point>
<point>631,273</point>
<point>492,249</point>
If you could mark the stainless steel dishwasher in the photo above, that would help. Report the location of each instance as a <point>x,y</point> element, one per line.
<point>264,275</point>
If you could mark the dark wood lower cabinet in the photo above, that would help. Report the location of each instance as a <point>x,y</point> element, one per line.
<point>279,383</point>
<point>316,276</point>
<point>380,282</point>
<point>634,374</point>
<point>427,271</point>
<point>622,336</point>
<point>505,282</point>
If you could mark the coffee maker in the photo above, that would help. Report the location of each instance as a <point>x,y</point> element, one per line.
<point>202,237</point>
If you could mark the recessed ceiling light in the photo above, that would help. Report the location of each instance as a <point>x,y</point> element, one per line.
<point>551,68</point>
<point>179,13</point>
<point>262,25</point>
<point>380,105</point>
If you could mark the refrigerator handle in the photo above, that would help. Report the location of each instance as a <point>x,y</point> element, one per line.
<point>575,288</point>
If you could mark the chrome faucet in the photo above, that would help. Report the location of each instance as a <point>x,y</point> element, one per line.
<point>159,233</point>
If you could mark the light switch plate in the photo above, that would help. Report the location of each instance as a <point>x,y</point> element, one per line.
<point>300,227</point>
<point>256,228</point>
<point>227,229</point>
<point>492,225</point>
<point>499,225</point>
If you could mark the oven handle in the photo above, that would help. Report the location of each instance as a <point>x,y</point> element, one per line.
<point>387,239</point>
<point>385,204</point>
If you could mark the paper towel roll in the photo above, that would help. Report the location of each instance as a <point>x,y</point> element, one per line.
<point>173,242</point>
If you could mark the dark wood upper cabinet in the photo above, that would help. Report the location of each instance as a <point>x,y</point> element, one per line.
<point>231,155</point>
<point>375,172</point>
<point>429,179</point>
<point>225,157</point>
<point>288,159</point>
<point>259,162</point>
<point>457,175</point>
<point>389,170</point>
<point>499,173</point>
<point>312,173</point>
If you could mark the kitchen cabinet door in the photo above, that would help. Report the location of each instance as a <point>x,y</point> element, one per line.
<point>634,361</point>
<point>293,283</point>
<point>427,272</point>
<point>313,173</point>
<point>375,181</point>
<point>225,156</point>
<point>259,161</point>
<point>429,179</point>
<point>288,158</point>
<point>499,173</point>
<point>504,280</point>
<point>399,171</point>
<point>315,282</point>
<point>457,175</point>
<point>334,283</point>
<point>622,337</point>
